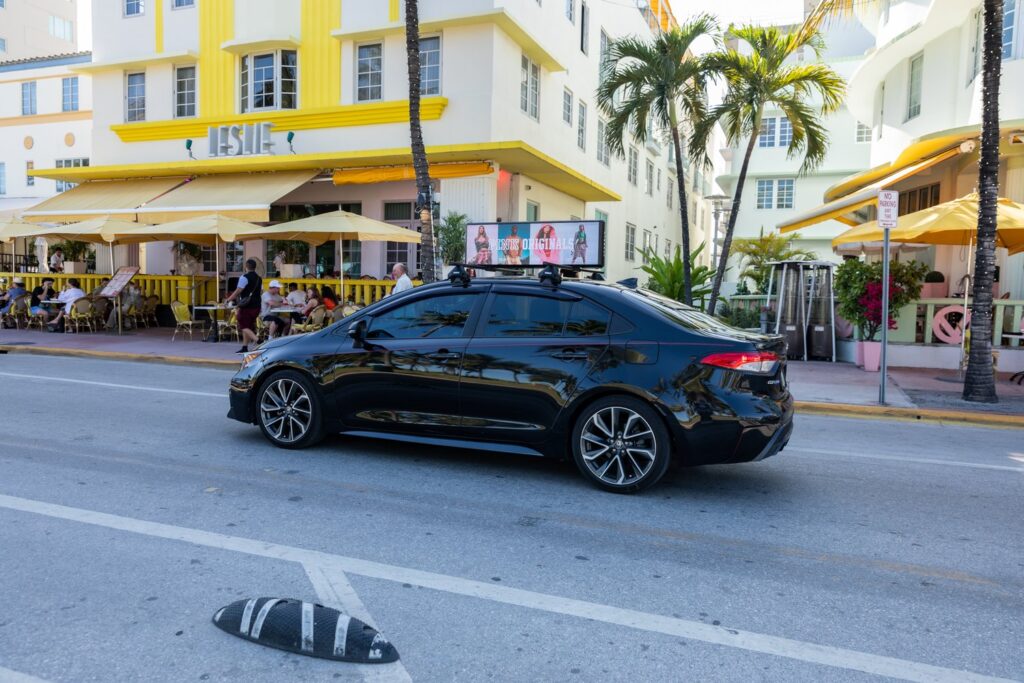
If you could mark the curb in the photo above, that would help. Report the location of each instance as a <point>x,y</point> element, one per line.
<point>919,414</point>
<point>120,355</point>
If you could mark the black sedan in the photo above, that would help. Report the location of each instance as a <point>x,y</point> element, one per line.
<point>622,380</point>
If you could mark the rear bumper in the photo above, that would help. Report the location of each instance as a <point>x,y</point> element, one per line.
<point>777,442</point>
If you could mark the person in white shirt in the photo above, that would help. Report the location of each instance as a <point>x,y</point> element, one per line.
<point>72,293</point>
<point>400,274</point>
<point>272,299</point>
<point>296,297</point>
<point>57,261</point>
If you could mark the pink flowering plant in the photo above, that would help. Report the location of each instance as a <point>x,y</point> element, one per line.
<point>859,292</point>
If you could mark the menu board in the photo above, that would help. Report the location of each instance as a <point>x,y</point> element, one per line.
<point>566,243</point>
<point>119,281</point>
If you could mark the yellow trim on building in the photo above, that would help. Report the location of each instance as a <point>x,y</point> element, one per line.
<point>137,62</point>
<point>338,116</point>
<point>393,10</point>
<point>56,117</point>
<point>533,48</point>
<point>320,55</point>
<point>513,155</point>
<point>158,26</point>
<point>241,47</point>
<point>217,84</point>
<point>390,174</point>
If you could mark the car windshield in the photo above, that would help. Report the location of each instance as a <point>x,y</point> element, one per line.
<point>680,313</point>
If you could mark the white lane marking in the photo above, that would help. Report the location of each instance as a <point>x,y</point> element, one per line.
<point>112,385</point>
<point>903,458</point>
<point>814,653</point>
<point>307,627</point>
<point>243,625</point>
<point>335,590</point>
<point>262,616</point>
<point>11,676</point>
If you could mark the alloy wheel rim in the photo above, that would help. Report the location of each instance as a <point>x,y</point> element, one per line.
<point>618,446</point>
<point>286,410</point>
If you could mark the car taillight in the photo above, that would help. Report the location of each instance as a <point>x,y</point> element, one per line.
<point>761,362</point>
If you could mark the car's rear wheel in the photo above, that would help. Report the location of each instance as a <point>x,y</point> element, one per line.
<point>289,411</point>
<point>621,444</point>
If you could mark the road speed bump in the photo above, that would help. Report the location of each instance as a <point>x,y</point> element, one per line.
<point>305,628</point>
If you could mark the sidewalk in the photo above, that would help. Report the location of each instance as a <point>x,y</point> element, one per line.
<point>817,386</point>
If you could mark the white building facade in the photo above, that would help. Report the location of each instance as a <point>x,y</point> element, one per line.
<point>512,129</point>
<point>38,28</point>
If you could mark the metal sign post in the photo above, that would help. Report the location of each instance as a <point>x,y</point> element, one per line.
<point>888,213</point>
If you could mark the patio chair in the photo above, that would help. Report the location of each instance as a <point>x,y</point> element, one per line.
<point>39,319</point>
<point>148,312</point>
<point>262,331</point>
<point>228,327</point>
<point>314,321</point>
<point>101,310</point>
<point>183,322</point>
<point>18,313</point>
<point>81,316</point>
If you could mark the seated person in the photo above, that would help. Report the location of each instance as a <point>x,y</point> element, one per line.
<point>131,296</point>
<point>272,299</point>
<point>7,300</point>
<point>296,297</point>
<point>97,290</point>
<point>44,292</point>
<point>72,293</point>
<point>328,298</point>
<point>312,301</point>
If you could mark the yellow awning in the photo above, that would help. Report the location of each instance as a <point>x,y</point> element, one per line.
<point>387,174</point>
<point>244,196</point>
<point>838,209</point>
<point>118,199</point>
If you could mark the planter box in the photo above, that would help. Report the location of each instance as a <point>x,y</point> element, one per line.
<point>872,355</point>
<point>292,270</point>
<point>74,267</point>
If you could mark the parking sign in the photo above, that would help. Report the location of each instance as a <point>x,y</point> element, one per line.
<point>888,208</point>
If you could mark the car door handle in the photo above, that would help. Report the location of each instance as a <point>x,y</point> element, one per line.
<point>571,354</point>
<point>444,355</point>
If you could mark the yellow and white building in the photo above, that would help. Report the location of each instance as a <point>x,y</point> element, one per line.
<point>195,102</point>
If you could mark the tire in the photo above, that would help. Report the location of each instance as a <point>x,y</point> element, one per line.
<point>289,410</point>
<point>601,444</point>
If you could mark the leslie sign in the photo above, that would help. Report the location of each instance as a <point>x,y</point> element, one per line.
<point>888,208</point>
<point>565,243</point>
<point>247,139</point>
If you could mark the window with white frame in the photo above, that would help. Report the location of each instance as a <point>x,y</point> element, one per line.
<point>668,195</point>
<point>603,151</point>
<point>532,211</point>
<point>30,180</point>
<point>668,249</point>
<point>400,213</point>
<point>633,166</point>
<point>269,80</point>
<point>28,98</point>
<point>915,82</point>
<point>785,132</point>
<point>645,247</point>
<point>65,185</point>
<point>352,257</point>
<point>3,45</point>
<point>765,193</point>
<point>1009,24</point>
<point>179,4</point>
<point>135,96</point>
<point>649,184</point>
<point>3,178</point>
<point>630,242</point>
<point>369,72</point>
<point>776,194</point>
<point>570,10</point>
<point>184,91</point>
<point>584,27</point>
<point>581,127</point>
<point>134,8</point>
<point>529,88</point>
<point>430,65</point>
<point>863,133</point>
<point>61,28</point>
<point>605,49</point>
<point>766,138</point>
<point>69,94</point>
<point>567,101</point>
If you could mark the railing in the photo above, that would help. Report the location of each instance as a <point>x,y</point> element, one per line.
<point>181,287</point>
<point>914,322</point>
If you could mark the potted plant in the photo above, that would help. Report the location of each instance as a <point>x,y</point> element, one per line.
<point>289,257</point>
<point>75,256</point>
<point>935,286</point>
<point>451,238</point>
<point>858,289</point>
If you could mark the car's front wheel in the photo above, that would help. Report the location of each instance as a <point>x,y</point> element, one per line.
<point>621,444</point>
<point>289,411</point>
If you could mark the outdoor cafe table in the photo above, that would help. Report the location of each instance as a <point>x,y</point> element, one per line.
<point>214,309</point>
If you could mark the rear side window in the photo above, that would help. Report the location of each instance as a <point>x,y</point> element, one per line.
<point>520,315</point>
<point>434,318</point>
<point>679,313</point>
<point>587,320</point>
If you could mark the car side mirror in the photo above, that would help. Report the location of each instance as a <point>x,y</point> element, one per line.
<point>357,331</point>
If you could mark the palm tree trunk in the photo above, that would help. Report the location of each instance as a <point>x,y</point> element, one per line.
<point>419,153</point>
<point>723,259</point>
<point>683,217</point>
<point>979,384</point>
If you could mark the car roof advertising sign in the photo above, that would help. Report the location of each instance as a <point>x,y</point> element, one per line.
<point>566,243</point>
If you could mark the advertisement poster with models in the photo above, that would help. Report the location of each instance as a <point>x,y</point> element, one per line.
<point>567,243</point>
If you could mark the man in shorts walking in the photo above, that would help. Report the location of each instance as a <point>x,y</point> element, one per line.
<point>248,297</point>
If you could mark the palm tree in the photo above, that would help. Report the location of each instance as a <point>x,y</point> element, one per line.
<point>760,80</point>
<point>979,382</point>
<point>758,254</point>
<point>657,81</point>
<point>419,152</point>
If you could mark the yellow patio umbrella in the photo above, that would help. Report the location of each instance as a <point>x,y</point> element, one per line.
<point>207,231</point>
<point>91,231</point>
<point>337,226</point>
<point>7,228</point>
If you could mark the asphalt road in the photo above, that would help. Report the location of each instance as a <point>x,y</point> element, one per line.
<point>131,510</point>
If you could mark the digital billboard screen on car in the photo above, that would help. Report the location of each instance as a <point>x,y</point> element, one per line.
<point>567,243</point>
